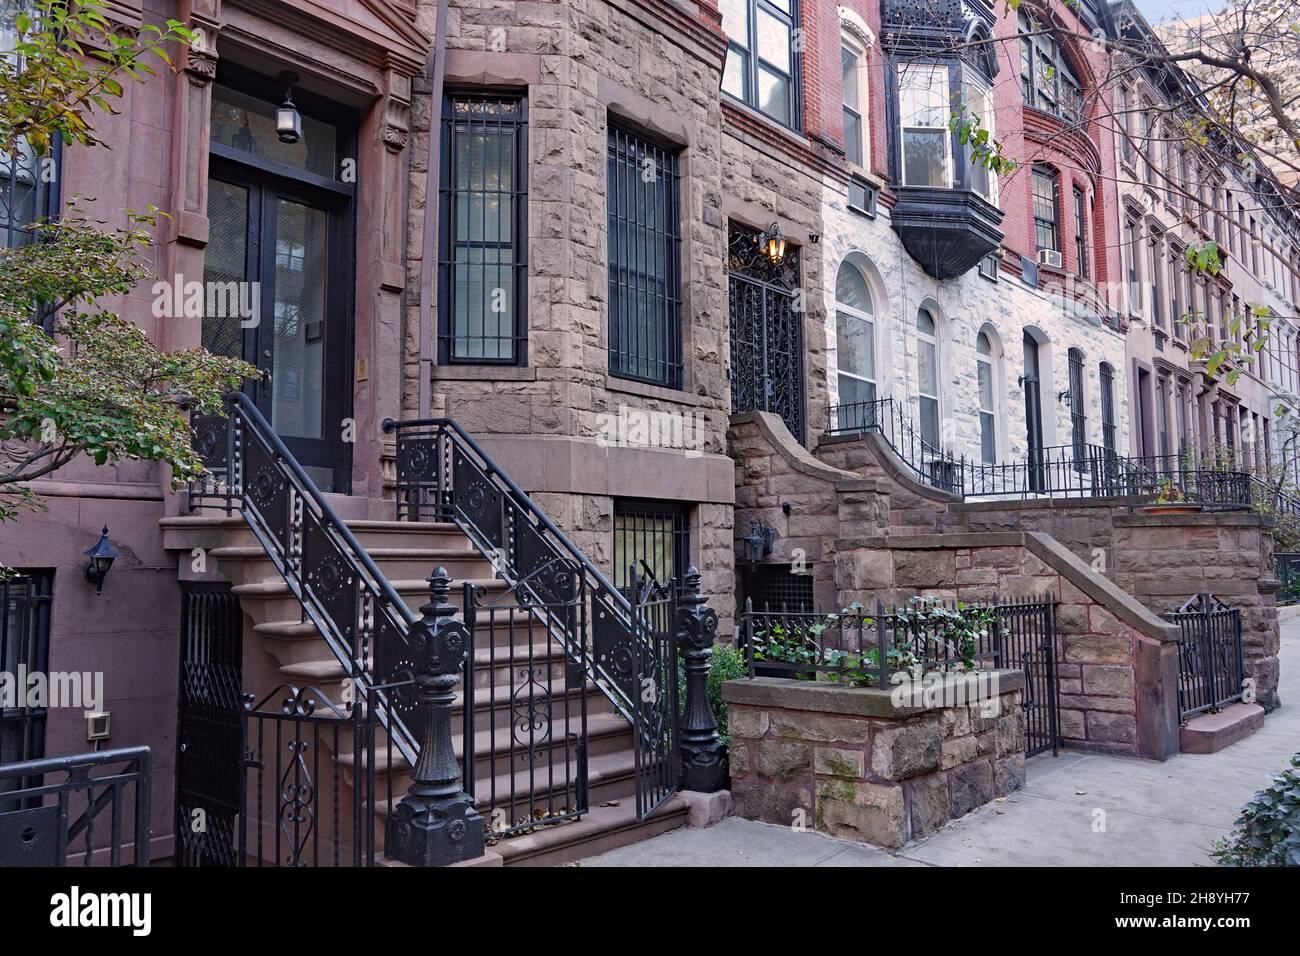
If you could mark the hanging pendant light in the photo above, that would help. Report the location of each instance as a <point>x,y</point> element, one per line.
<point>288,121</point>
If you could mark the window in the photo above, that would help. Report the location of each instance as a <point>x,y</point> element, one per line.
<point>1080,232</point>
<point>24,645</point>
<point>761,66</point>
<point>1078,417</point>
<point>927,377</point>
<point>853,71</point>
<point>1175,286</point>
<point>28,183</point>
<point>655,532</point>
<point>923,117</point>
<point>1180,418</point>
<point>855,337</point>
<point>645,334</point>
<point>1162,415</point>
<point>1045,232</point>
<point>482,265</point>
<point>978,101</point>
<point>1157,283</point>
<point>1106,374</point>
<point>1133,243</point>
<point>988,267</point>
<point>778,587</point>
<point>1046,80</point>
<point>1125,126</point>
<point>986,380</point>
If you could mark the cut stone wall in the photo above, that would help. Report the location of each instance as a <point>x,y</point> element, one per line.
<point>1165,559</point>
<point>1116,661</point>
<point>879,766</point>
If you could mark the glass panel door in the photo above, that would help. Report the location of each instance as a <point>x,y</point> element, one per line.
<point>299,319</point>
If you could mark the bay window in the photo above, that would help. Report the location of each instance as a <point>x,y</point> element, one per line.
<point>924,109</point>
<point>1046,80</point>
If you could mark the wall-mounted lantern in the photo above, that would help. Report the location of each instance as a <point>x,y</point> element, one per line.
<point>101,560</point>
<point>288,121</point>
<point>772,243</point>
<point>758,543</point>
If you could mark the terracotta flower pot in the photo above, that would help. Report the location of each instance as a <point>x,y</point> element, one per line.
<point>1171,508</point>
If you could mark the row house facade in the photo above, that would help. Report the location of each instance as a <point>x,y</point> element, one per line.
<point>593,231</point>
<point>1175,196</point>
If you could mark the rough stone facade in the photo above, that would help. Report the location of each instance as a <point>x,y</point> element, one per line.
<point>1165,559</point>
<point>854,764</point>
<point>1116,661</point>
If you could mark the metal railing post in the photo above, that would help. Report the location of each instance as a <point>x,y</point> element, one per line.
<point>703,754</point>
<point>436,824</point>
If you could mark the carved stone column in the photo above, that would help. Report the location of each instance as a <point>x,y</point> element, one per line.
<point>703,754</point>
<point>436,824</point>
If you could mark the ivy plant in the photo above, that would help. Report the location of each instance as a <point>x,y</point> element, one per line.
<point>1268,831</point>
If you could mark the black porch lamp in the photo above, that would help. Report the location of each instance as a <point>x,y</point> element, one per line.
<point>288,121</point>
<point>773,243</point>
<point>101,560</point>
<point>758,543</point>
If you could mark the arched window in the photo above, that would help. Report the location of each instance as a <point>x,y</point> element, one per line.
<point>1046,80</point>
<point>855,339</point>
<point>927,376</point>
<point>1078,417</point>
<point>987,379</point>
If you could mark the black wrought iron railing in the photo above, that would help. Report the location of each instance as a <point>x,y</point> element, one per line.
<point>90,806</point>
<point>365,623</point>
<point>1058,471</point>
<point>1286,568</point>
<point>443,474</point>
<point>1211,666</point>
<point>879,647</point>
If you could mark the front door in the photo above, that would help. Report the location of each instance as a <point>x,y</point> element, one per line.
<point>280,229</point>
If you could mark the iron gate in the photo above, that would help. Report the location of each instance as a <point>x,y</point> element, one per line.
<point>209,745</point>
<point>656,698</point>
<point>766,330</point>
<point>1211,668</point>
<point>1027,638</point>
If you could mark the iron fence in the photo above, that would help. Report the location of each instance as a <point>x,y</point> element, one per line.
<point>863,647</point>
<point>1286,568</point>
<point>1211,670</point>
<point>1059,471</point>
<point>96,807</point>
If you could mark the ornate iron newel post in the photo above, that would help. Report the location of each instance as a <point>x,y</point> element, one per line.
<point>436,824</point>
<point>704,755</point>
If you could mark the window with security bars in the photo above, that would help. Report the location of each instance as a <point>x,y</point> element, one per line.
<point>776,587</point>
<point>652,532</point>
<point>482,258</point>
<point>1078,417</point>
<point>1106,374</point>
<point>25,598</point>
<point>645,326</point>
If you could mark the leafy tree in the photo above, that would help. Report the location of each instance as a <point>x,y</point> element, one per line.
<point>85,380</point>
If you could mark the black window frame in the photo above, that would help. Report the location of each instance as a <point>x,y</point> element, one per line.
<point>447,223</point>
<point>646,510</point>
<point>1106,378</point>
<point>1081,231</point>
<point>749,52</point>
<point>627,357</point>
<point>1042,172</point>
<point>29,651</point>
<point>1078,410</point>
<point>1062,77</point>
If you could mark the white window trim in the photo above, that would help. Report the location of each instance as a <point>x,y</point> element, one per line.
<point>902,129</point>
<point>849,38</point>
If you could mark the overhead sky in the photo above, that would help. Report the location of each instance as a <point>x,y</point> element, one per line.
<point>1158,11</point>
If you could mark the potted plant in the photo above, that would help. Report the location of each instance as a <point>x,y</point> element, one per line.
<point>1170,500</point>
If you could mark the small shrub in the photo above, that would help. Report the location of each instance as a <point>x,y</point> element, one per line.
<point>1268,831</point>
<point>728,663</point>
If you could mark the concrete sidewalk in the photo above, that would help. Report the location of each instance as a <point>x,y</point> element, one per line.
<point>1075,810</point>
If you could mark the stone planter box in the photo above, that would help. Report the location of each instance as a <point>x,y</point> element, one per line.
<point>875,765</point>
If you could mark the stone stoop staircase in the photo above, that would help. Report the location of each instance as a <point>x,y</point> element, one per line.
<point>280,647</point>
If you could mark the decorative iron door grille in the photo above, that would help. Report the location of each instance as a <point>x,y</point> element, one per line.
<point>25,599</point>
<point>656,711</point>
<point>209,749</point>
<point>766,330</point>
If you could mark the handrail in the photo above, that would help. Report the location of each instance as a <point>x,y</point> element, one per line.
<point>521,496</point>
<point>604,674</point>
<point>371,581</point>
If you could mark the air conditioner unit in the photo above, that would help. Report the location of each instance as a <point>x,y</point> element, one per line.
<point>1049,257</point>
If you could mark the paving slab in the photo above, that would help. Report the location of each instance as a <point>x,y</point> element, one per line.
<point>1075,810</point>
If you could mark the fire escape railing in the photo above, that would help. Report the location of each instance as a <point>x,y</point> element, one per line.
<point>340,589</point>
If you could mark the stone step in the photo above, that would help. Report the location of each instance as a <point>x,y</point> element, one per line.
<point>265,601</point>
<point>1210,733</point>
<point>491,666</point>
<point>186,532</point>
<point>395,563</point>
<point>601,829</point>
